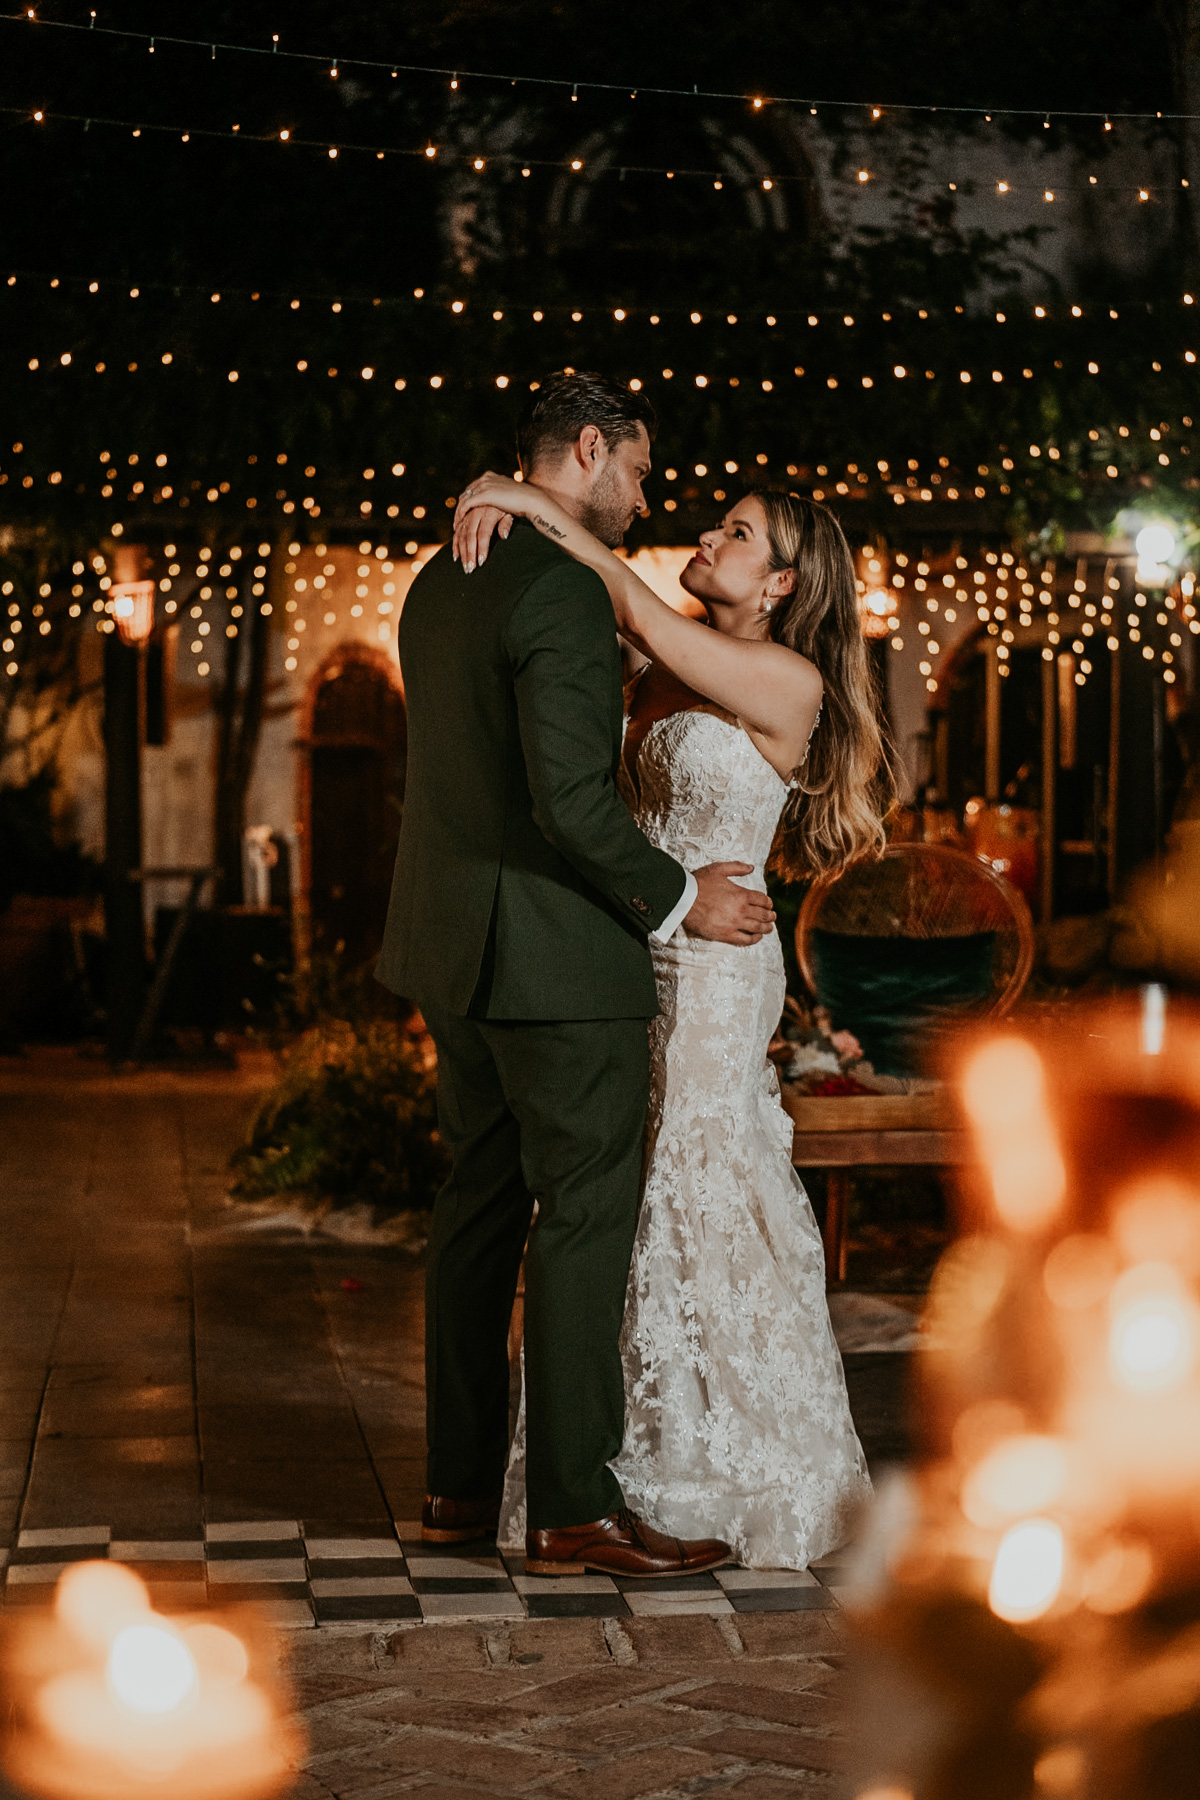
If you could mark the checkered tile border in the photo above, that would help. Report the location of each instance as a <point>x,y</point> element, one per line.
<point>322,1576</point>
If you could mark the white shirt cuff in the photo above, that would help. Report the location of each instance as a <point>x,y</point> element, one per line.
<point>679,911</point>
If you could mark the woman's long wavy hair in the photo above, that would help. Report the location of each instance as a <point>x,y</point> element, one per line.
<point>836,811</point>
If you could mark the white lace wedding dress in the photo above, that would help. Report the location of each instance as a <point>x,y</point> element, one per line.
<point>737,1420</point>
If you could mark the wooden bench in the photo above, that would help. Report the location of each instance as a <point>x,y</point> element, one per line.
<point>861,1131</point>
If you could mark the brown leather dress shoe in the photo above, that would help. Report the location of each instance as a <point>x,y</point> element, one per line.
<point>621,1544</point>
<point>445,1521</point>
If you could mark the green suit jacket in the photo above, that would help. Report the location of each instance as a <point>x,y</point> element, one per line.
<point>523,888</point>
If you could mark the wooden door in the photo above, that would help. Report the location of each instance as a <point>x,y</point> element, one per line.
<point>357,747</point>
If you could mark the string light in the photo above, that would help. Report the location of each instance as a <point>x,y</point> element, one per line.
<point>993,582</point>
<point>758,102</point>
<point>506,159</point>
<point>901,311</point>
<point>169,361</point>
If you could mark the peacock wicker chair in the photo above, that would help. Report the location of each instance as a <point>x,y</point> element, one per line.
<point>944,904</point>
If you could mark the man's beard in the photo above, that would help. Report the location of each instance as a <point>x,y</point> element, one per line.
<point>604,514</point>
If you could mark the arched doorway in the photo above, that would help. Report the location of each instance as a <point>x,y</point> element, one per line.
<point>356,743</point>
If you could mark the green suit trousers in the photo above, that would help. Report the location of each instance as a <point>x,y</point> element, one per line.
<point>554,1112</point>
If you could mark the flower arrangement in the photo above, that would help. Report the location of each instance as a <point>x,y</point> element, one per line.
<point>815,1058</point>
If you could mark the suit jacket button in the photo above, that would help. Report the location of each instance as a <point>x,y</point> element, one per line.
<point>641,905</point>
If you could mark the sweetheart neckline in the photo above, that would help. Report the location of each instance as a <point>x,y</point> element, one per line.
<point>687,712</point>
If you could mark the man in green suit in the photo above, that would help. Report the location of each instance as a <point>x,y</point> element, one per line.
<point>522,901</point>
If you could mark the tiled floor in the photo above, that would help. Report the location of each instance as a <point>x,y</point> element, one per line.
<point>237,1410</point>
<point>305,1574</point>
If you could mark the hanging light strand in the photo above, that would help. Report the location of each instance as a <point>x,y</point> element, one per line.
<point>572,86</point>
<point>505,162</point>
<point>902,312</point>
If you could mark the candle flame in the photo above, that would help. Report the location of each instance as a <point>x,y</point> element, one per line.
<point>113,1700</point>
<point>1028,1571</point>
<point>150,1669</point>
<point>1022,1474</point>
<point>1005,1094</point>
<point>1154,1008</point>
<point>1152,1336</point>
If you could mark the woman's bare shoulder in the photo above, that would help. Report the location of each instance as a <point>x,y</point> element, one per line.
<point>798,670</point>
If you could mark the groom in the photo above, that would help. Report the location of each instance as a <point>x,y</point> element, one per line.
<point>523,898</point>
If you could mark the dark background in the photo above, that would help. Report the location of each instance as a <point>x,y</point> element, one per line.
<point>181,221</point>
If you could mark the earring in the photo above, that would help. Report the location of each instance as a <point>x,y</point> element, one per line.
<point>768,605</point>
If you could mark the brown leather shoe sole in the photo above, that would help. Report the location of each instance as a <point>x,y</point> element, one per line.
<point>438,1534</point>
<point>447,1521</point>
<point>538,1567</point>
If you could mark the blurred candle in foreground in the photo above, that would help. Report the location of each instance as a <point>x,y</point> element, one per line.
<point>1005,1092</point>
<point>1152,1340</point>
<point>107,1698</point>
<point>1028,1609</point>
<point>150,1669</point>
<point>1028,1570</point>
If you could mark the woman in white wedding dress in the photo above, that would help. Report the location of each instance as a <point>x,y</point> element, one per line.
<point>737,1419</point>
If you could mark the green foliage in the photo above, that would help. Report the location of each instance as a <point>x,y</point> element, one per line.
<point>351,1119</point>
<point>328,991</point>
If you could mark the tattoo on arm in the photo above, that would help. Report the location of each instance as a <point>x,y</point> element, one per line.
<point>546,526</point>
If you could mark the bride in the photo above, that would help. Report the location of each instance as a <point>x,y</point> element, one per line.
<point>753,738</point>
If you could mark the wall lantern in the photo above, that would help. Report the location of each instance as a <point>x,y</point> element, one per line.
<point>875,608</point>
<point>133,609</point>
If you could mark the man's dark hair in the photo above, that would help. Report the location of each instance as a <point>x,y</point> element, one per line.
<point>564,405</point>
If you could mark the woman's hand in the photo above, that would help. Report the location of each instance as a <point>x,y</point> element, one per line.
<point>487,505</point>
<point>473,533</point>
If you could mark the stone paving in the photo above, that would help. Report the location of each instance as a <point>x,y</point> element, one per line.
<point>165,1374</point>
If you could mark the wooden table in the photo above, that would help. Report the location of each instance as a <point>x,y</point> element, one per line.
<point>862,1131</point>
